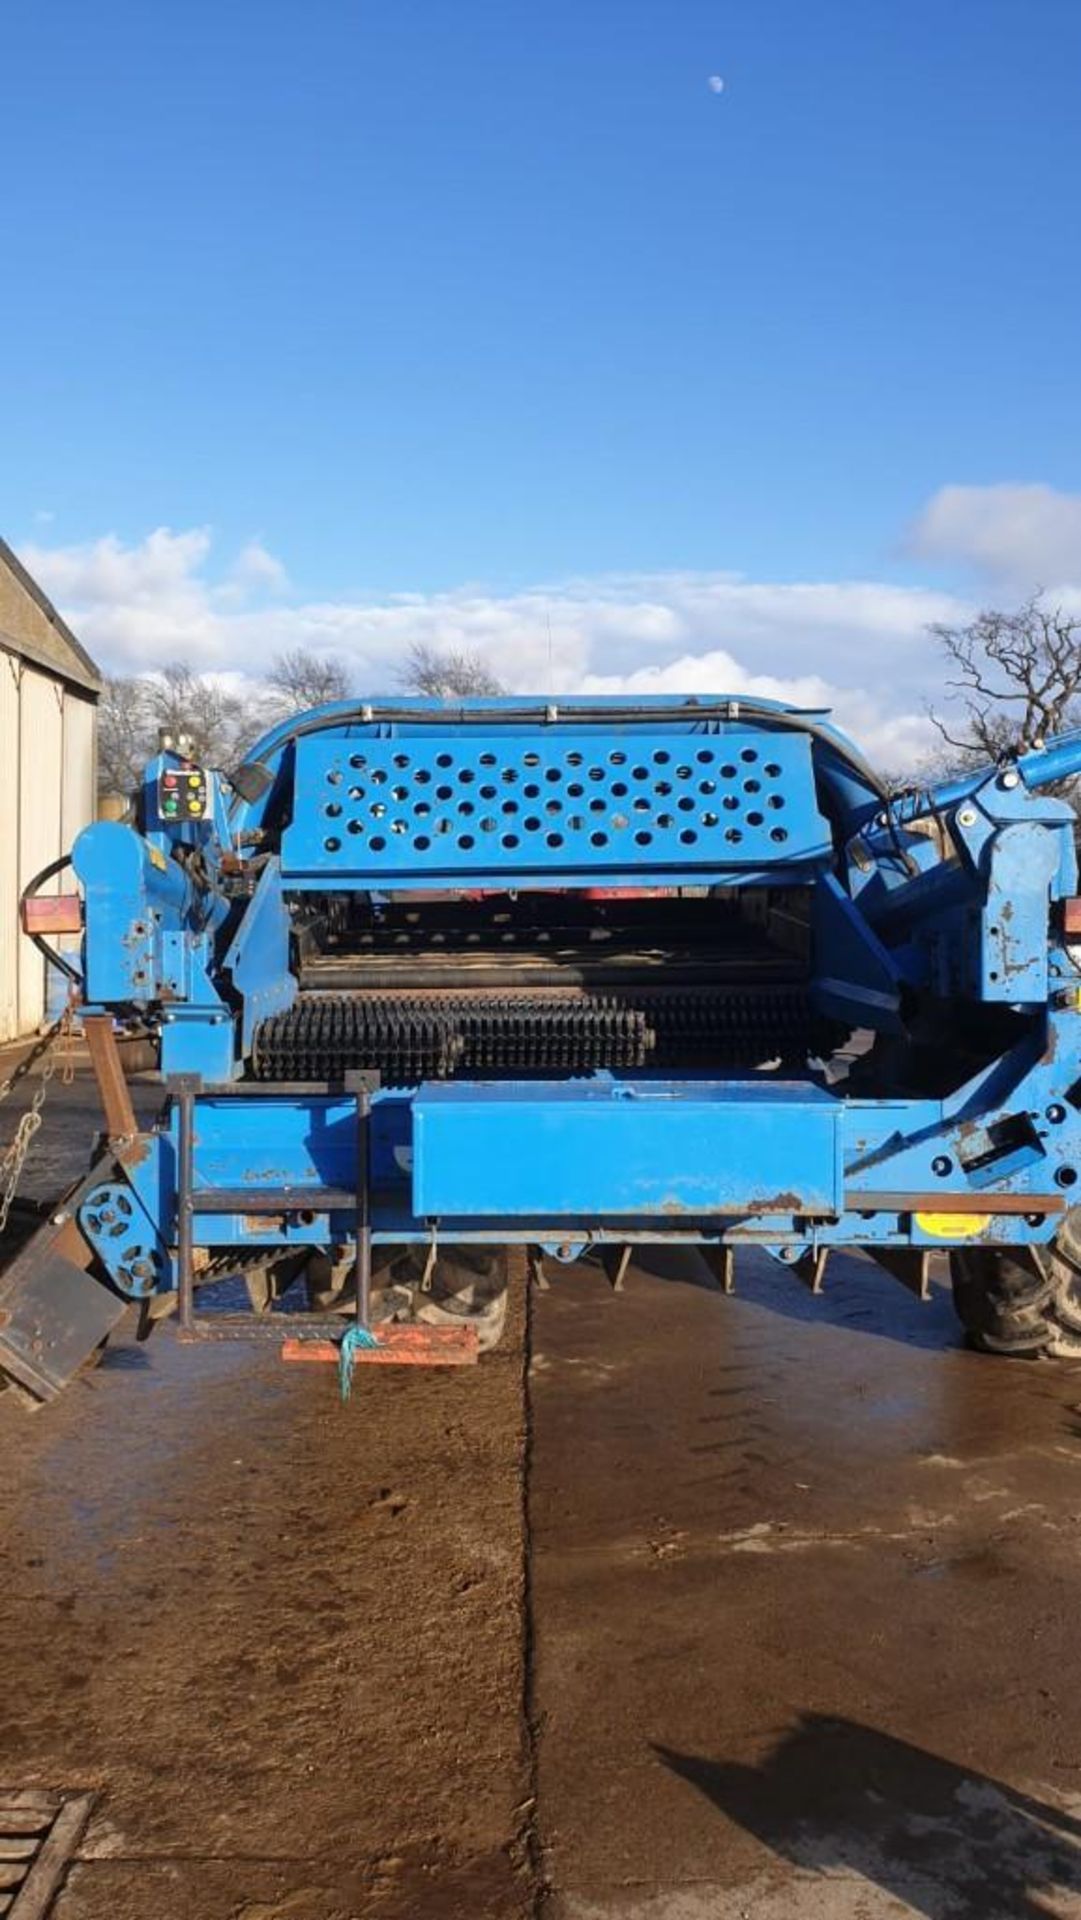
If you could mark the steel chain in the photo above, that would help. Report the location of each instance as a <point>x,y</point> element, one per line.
<point>11,1166</point>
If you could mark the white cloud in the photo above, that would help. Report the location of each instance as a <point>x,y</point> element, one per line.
<point>858,647</point>
<point>1023,536</point>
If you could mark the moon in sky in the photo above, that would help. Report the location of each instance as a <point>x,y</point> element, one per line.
<point>716,84</point>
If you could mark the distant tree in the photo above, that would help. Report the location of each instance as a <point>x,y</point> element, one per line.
<point>181,701</point>
<point>455,675</point>
<point>301,679</point>
<point>1017,677</point>
<point>124,731</point>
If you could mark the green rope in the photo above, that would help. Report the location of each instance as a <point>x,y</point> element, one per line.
<point>353,1337</point>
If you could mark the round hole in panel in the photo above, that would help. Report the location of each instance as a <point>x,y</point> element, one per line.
<point>378,776</point>
<point>334,778</point>
<point>575,822</point>
<point>488,824</point>
<point>399,826</point>
<point>643,839</point>
<point>776,800</point>
<point>733,836</point>
<point>401,760</point>
<point>422,776</point>
<point>488,792</point>
<point>684,773</point>
<point>685,803</point>
<point>728,771</point>
<point>487,759</point>
<point>441,826</point>
<point>575,789</point>
<point>618,789</point>
<point>596,773</point>
<point>663,820</point>
<point>333,810</point>
<point>531,759</point>
<point>399,793</point>
<point>422,808</point>
<point>618,821</point>
<point>510,806</point>
<point>377,844</point>
<point>444,760</point>
<point>688,836</point>
<point>466,807</point>
<point>772,770</point>
<point>358,760</point>
<point>355,826</point>
<point>466,776</point>
<point>532,791</point>
<point>639,773</point>
<point>704,756</point>
<point>755,819</point>
<point>554,773</point>
<point>510,839</point>
<point>465,841</point>
<point>661,758</point>
<point>444,793</point>
<point>598,839</point>
<point>553,806</point>
<point>752,786</point>
<point>332,845</point>
<point>749,754</point>
<point>617,757</point>
<point>598,805</point>
<point>422,843</point>
<point>709,820</point>
<point>641,803</point>
<point>377,809</point>
<point>531,823</point>
<point>555,839</point>
<point>780,834</point>
<point>730,803</point>
<point>356,793</point>
<point>510,775</point>
<point>574,758</point>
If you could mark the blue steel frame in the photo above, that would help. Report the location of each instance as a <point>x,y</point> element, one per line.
<point>955,894</point>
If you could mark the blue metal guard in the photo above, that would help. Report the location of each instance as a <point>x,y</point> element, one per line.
<point>391,811</point>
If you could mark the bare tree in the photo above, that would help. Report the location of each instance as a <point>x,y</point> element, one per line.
<point>183,701</point>
<point>455,675</point>
<point>124,732</point>
<point>1017,677</point>
<point>301,679</point>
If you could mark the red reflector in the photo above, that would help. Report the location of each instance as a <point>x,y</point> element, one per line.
<point>53,913</point>
<point>1071,914</point>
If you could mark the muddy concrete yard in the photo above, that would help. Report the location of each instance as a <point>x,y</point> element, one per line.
<point>678,1607</point>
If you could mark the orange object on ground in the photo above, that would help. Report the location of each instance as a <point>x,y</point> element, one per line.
<point>398,1347</point>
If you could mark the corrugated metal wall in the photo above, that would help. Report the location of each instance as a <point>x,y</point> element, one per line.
<point>46,796</point>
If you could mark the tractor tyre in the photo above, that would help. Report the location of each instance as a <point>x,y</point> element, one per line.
<point>1024,1302</point>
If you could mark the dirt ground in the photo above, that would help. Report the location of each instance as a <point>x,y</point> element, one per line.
<point>678,1607</point>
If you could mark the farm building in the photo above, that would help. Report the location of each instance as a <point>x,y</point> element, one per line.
<point>49,690</point>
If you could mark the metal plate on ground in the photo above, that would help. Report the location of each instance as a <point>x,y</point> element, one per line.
<point>40,1830</point>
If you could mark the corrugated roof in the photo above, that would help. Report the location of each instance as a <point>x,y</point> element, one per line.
<point>46,639</point>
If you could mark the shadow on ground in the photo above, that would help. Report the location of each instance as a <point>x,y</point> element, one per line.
<point>835,1796</point>
<point>857,1296</point>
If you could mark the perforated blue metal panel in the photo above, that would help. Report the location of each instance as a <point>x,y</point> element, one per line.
<point>392,811</point>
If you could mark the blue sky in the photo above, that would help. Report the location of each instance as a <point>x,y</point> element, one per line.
<point>422,293</point>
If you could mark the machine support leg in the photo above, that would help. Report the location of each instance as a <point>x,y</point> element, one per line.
<point>185,1089</point>
<point>364,1224</point>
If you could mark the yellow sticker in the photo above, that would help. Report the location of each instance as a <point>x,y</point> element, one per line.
<point>156,857</point>
<point>953,1226</point>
